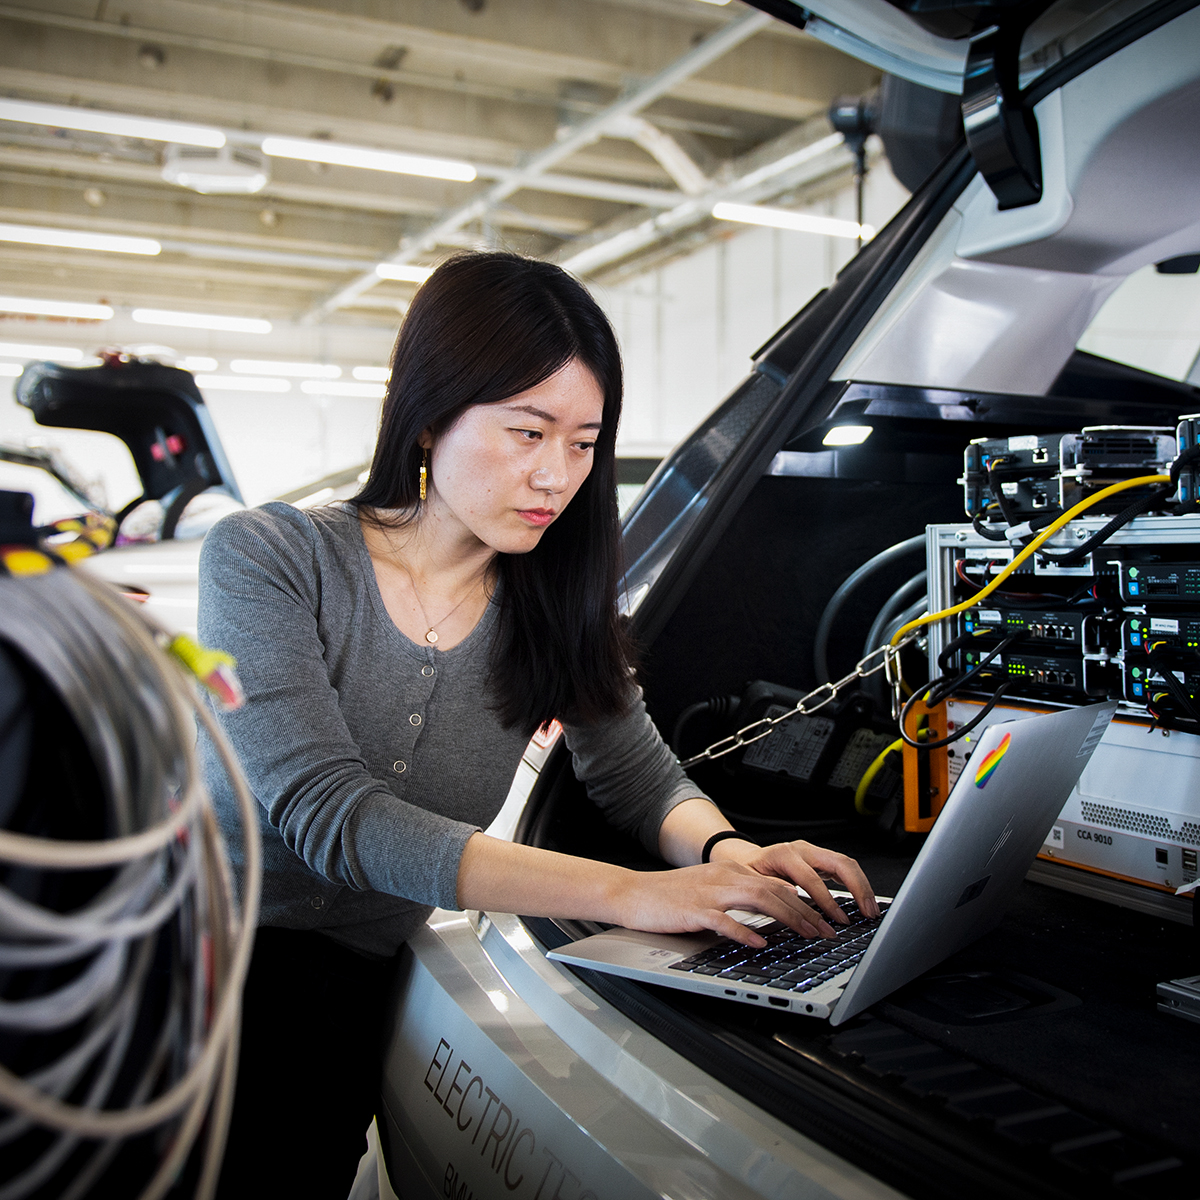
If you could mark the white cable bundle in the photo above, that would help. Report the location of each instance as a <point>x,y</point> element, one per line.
<point>169,898</point>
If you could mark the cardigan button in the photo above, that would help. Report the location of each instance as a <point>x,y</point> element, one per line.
<point>427,671</point>
<point>399,766</point>
<point>415,719</point>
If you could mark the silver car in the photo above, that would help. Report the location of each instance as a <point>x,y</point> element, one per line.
<point>1034,1063</point>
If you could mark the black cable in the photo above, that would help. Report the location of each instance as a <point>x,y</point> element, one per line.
<point>939,689</point>
<point>721,706</point>
<point>825,625</point>
<point>953,646</point>
<point>1047,516</point>
<point>1036,523</point>
<point>891,606</point>
<point>1186,459</point>
<point>1158,660</point>
<point>1155,499</point>
<point>958,733</point>
<point>998,491</point>
<point>1136,509</point>
<point>1183,460</point>
<point>992,535</point>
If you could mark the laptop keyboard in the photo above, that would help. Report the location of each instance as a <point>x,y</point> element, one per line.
<point>789,961</point>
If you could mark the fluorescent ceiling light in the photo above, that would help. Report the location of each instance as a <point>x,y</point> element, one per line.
<point>185,320</point>
<point>197,362</point>
<point>370,391</point>
<point>405,272</point>
<point>372,374</point>
<point>239,383</point>
<point>10,370</point>
<point>55,308</point>
<point>847,435</point>
<point>23,350</point>
<point>65,116</point>
<point>297,370</point>
<point>339,155</point>
<point>782,218</point>
<point>70,239</point>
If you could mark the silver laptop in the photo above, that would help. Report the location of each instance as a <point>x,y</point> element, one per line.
<point>988,834</point>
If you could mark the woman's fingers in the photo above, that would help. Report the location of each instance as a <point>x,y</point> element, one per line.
<point>851,876</point>
<point>722,923</point>
<point>695,898</point>
<point>773,898</point>
<point>812,883</point>
<point>800,862</point>
<point>787,861</point>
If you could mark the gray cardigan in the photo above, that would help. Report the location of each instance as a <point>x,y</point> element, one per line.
<point>374,759</point>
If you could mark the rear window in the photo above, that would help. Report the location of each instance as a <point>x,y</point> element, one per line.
<point>1151,322</point>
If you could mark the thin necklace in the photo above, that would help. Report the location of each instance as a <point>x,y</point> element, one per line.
<point>431,633</point>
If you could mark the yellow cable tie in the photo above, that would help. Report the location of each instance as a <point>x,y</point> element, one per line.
<point>198,659</point>
<point>213,668</point>
<point>26,562</point>
<point>73,552</point>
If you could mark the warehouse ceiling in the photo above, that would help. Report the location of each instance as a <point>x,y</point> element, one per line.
<point>599,132</point>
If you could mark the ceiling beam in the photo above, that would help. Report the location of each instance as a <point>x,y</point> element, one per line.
<point>532,39</point>
<point>710,49</point>
<point>91,165</point>
<point>225,245</point>
<point>820,156</point>
<point>376,73</point>
<point>576,131</point>
<point>512,69</point>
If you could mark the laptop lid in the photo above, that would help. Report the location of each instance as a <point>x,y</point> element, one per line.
<point>988,834</point>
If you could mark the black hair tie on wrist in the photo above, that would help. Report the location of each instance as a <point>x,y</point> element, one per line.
<point>720,837</point>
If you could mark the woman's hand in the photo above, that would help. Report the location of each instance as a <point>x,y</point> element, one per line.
<point>804,864</point>
<point>692,899</point>
<point>507,877</point>
<point>689,825</point>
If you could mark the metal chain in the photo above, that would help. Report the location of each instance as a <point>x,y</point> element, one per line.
<point>888,662</point>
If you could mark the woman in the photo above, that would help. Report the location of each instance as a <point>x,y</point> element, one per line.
<point>398,651</point>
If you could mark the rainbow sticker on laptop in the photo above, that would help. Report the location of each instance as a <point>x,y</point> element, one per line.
<point>987,768</point>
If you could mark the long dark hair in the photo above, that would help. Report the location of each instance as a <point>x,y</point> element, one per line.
<point>483,328</point>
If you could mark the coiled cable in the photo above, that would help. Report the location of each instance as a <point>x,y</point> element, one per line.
<point>120,1057</point>
<point>838,599</point>
<point>899,600</point>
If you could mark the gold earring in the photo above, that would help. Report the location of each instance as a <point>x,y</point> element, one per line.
<point>424,471</point>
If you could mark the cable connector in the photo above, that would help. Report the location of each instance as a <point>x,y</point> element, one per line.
<point>93,533</point>
<point>213,668</point>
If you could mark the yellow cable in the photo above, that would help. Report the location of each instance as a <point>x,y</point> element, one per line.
<point>1032,548</point>
<point>860,792</point>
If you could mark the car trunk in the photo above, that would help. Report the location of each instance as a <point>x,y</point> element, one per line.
<point>1032,1063</point>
